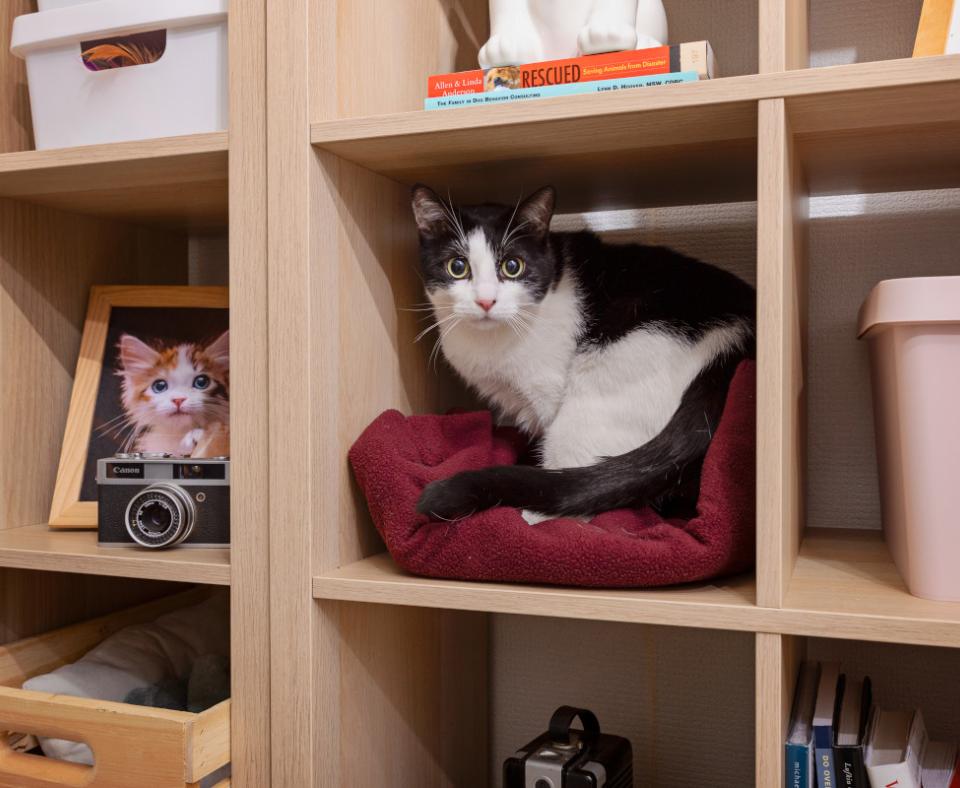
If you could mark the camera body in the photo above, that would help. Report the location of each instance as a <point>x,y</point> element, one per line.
<point>159,501</point>
<point>566,758</point>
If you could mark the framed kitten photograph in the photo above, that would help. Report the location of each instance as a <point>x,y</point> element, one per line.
<point>153,375</point>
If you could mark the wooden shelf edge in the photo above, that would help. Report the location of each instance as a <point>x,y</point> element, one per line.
<point>337,135</point>
<point>190,145</point>
<point>376,580</point>
<point>861,626</point>
<point>36,547</point>
<point>173,181</point>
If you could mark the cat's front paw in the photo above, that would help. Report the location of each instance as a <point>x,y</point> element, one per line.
<point>514,47</point>
<point>603,35</point>
<point>190,441</point>
<point>449,499</point>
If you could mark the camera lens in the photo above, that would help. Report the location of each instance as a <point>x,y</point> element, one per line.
<point>155,517</point>
<point>161,515</point>
<point>543,782</point>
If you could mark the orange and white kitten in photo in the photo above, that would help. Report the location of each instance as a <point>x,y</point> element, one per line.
<point>176,399</point>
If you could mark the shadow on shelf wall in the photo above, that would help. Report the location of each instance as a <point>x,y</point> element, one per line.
<point>858,31</point>
<point>647,683</point>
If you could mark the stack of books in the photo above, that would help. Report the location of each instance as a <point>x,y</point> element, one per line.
<point>609,72</point>
<point>838,737</point>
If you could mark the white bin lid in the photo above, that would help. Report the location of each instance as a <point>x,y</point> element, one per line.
<point>105,18</point>
<point>916,300</point>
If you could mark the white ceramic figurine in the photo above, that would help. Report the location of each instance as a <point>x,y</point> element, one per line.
<point>526,31</point>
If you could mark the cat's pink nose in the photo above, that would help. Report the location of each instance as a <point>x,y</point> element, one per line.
<point>485,305</point>
<point>178,401</point>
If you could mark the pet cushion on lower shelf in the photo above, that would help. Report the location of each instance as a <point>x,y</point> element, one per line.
<point>397,456</point>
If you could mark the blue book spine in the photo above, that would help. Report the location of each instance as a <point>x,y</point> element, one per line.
<point>798,771</point>
<point>823,739</point>
<point>550,91</point>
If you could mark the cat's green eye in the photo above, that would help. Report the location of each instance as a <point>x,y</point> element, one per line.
<point>512,267</point>
<point>159,386</point>
<point>458,268</point>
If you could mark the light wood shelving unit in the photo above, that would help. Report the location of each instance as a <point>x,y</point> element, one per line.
<point>346,670</point>
<point>385,645</point>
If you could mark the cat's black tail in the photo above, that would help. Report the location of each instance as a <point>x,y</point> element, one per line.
<point>663,468</point>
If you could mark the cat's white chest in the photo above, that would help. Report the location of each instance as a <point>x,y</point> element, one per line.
<point>522,372</point>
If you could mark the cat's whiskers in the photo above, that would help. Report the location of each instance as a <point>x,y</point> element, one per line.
<point>524,319</point>
<point>506,231</point>
<point>128,443</point>
<point>419,305</point>
<point>515,238</point>
<point>435,351</point>
<point>436,324</point>
<point>516,324</point>
<point>116,421</point>
<point>511,236</point>
<point>117,426</point>
<point>418,309</point>
<point>455,222</point>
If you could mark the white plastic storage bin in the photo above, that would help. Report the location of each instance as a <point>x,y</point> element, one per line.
<point>913,328</point>
<point>178,86</point>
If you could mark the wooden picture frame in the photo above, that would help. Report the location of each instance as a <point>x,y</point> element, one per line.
<point>67,510</point>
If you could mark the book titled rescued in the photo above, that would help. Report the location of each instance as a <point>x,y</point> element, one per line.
<point>506,96</point>
<point>696,56</point>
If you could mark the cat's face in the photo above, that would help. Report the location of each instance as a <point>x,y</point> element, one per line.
<point>485,266</point>
<point>179,386</point>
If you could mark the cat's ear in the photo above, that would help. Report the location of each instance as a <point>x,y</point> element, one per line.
<point>428,210</point>
<point>219,350</point>
<point>537,210</point>
<point>136,355</point>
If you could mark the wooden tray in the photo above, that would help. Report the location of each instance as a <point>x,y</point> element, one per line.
<point>132,745</point>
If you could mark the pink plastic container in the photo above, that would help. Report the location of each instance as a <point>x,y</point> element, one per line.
<point>913,329</point>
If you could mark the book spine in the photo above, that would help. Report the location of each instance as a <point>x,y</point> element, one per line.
<point>461,82</point>
<point>953,34</point>
<point>849,768</point>
<point>897,775</point>
<point>552,91</point>
<point>798,774</point>
<point>696,56</point>
<point>933,31</point>
<point>823,738</point>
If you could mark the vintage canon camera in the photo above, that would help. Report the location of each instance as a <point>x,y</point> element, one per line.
<point>565,758</point>
<point>157,501</point>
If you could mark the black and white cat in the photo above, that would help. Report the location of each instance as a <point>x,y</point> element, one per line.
<point>617,358</point>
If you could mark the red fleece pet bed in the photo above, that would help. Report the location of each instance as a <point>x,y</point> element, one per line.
<point>397,456</point>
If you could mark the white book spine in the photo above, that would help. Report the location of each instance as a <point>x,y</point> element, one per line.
<point>892,775</point>
<point>953,32</point>
<point>906,773</point>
